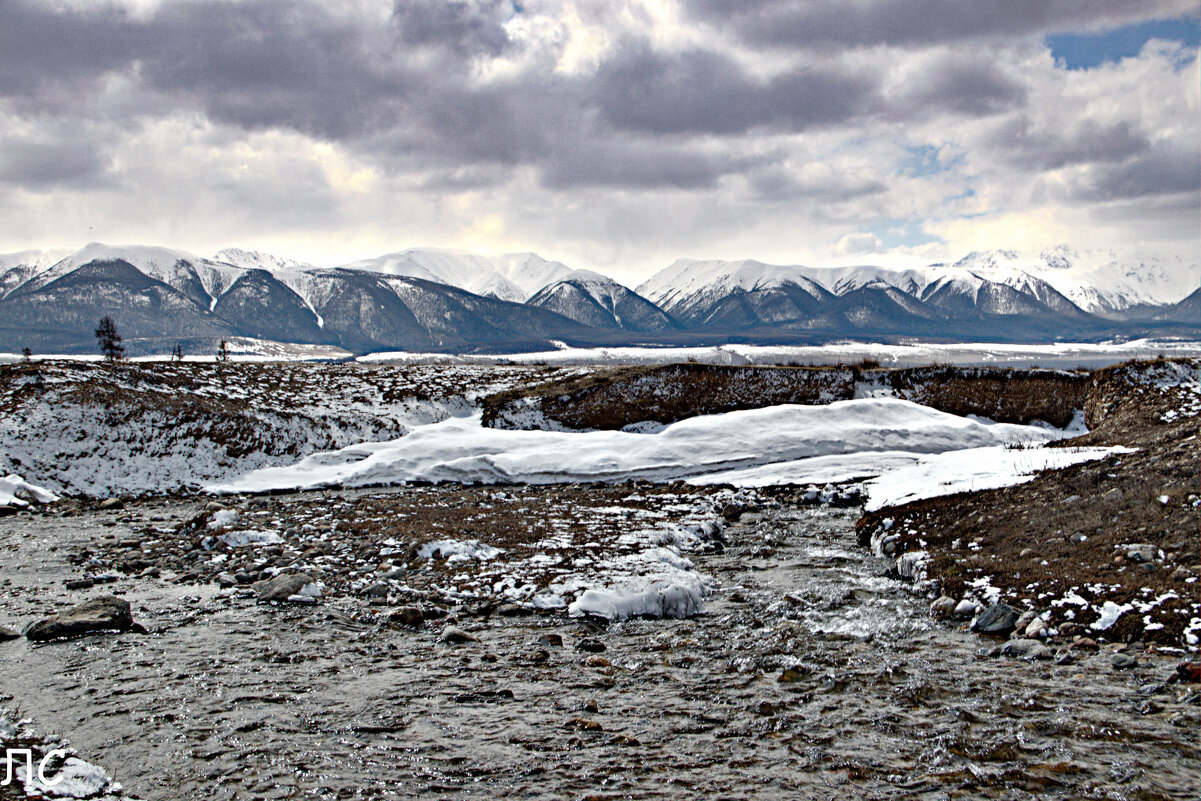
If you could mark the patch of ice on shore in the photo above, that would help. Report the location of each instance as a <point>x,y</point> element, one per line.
<point>13,484</point>
<point>972,469</point>
<point>640,600</point>
<point>461,450</point>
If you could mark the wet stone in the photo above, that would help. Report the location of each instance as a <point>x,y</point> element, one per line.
<point>998,620</point>
<point>105,613</point>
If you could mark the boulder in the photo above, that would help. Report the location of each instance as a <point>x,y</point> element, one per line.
<point>998,620</point>
<point>105,613</point>
<point>282,588</point>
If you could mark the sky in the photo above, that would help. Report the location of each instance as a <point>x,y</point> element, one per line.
<point>616,135</point>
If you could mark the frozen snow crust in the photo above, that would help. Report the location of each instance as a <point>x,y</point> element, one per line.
<point>461,450</point>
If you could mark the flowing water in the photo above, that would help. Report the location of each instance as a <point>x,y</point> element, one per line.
<point>812,674</point>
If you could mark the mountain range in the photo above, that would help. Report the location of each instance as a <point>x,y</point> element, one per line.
<point>441,300</point>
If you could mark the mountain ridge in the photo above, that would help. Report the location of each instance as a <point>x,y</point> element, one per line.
<point>420,299</point>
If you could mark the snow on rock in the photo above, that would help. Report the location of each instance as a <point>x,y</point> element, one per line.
<point>246,537</point>
<point>456,550</point>
<point>461,450</point>
<point>1110,612</point>
<point>15,491</point>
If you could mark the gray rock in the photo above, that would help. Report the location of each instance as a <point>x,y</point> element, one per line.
<point>8,634</point>
<point>1141,552</point>
<point>966,609</point>
<point>408,616</point>
<point>1024,620</point>
<point>1025,649</point>
<point>454,635</point>
<point>226,580</point>
<point>112,503</point>
<point>511,610</point>
<point>1123,662</point>
<point>1037,628</point>
<point>105,613</point>
<point>998,620</point>
<point>282,588</point>
<point>943,607</point>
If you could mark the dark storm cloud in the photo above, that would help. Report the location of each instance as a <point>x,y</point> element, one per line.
<point>1022,145</point>
<point>39,45</point>
<point>838,23</point>
<point>48,164</point>
<point>639,164</point>
<point>406,96</point>
<point>961,83</point>
<point>275,64</point>
<point>1163,171</point>
<point>698,92</point>
<point>466,28</point>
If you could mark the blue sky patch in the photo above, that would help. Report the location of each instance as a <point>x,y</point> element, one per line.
<point>1080,51</point>
<point>897,233</point>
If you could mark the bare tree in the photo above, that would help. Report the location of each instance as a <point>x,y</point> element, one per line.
<point>26,354</point>
<point>223,351</point>
<point>177,353</point>
<point>109,340</point>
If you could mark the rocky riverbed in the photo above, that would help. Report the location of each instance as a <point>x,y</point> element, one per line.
<point>812,671</point>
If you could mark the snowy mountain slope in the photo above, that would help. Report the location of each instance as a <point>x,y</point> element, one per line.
<point>689,284</point>
<point>513,277</point>
<point>599,301</point>
<point>425,298</point>
<point>18,268</point>
<point>1099,282</point>
<point>193,276</point>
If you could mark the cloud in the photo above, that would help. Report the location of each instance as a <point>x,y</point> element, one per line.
<point>618,131</point>
<point>827,24</point>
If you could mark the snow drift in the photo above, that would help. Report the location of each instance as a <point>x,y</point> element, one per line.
<point>461,450</point>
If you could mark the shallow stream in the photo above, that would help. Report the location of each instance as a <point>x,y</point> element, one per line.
<point>812,674</point>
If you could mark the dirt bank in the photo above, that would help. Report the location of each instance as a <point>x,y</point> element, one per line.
<point>1122,531</point>
<point>620,397</point>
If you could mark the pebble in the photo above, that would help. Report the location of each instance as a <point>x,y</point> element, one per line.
<point>1036,629</point>
<point>1123,662</point>
<point>8,634</point>
<point>590,645</point>
<point>1084,644</point>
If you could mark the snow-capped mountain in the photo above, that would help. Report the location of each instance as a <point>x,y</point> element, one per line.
<point>446,300</point>
<point>18,268</point>
<point>514,276</point>
<point>162,296</point>
<point>1099,282</point>
<point>600,302</point>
